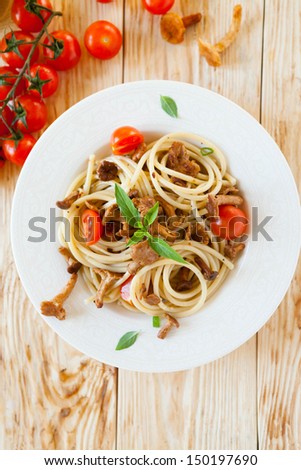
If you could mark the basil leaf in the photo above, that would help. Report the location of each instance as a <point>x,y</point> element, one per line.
<point>127,340</point>
<point>206,151</point>
<point>151,215</point>
<point>138,225</point>
<point>169,106</point>
<point>126,206</point>
<point>136,238</point>
<point>156,322</point>
<point>163,249</point>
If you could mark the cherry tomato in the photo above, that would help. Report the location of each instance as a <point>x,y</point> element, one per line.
<point>67,53</point>
<point>125,139</point>
<point>26,20</point>
<point>17,152</point>
<point>44,72</point>
<point>158,7</point>
<point>92,226</point>
<point>104,1</point>
<point>13,59</point>
<point>125,290</point>
<point>6,83</point>
<point>103,40</point>
<point>232,222</point>
<point>8,115</point>
<point>35,113</point>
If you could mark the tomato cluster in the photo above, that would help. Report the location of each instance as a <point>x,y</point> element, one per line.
<point>36,67</point>
<point>24,111</point>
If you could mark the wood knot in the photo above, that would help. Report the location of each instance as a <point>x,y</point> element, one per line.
<point>65,412</point>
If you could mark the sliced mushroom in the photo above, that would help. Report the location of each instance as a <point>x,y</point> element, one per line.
<point>54,307</point>
<point>157,229</point>
<point>69,200</point>
<point>171,322</point>
<point>142,291</point>
<point>133,193</point>
<point>152,299</point>
<point>183,283</point>
<point>112,214</point>
<point>232,249</point>
<point>229,190</point>
<point>195,231</point>
<point>73,265</point>
<point>139,152</point>
<point>207,272</point>
<point>173,27</point>
<point>107,280</point>
<point>169,210</point>
<point>178,182</point>
<point>107,171</point>
<point>144,204</point>
<point>178,160</point>
<point>214,202</point>
<point>142,255</point>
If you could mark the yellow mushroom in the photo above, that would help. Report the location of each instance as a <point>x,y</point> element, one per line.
<point>173,27</point>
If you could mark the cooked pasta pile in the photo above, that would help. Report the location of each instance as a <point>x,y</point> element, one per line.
<point>155,175</point>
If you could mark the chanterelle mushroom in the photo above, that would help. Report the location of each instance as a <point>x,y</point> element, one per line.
<point>54,307</point>
<point>142,255</point>
<point>69,200</point>
<point>107,280</point>
<point>73,265</point>
<point>171,322</point>
<point>232,249</point>
<point>173,27</point>
<point>214,202</point>
<point>207,272</point>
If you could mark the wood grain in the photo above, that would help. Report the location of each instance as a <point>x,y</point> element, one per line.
<point>213,407</point>
<point>279,352</point>
<point>52,397</point>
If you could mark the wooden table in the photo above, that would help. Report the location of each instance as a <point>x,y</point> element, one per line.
<point>52,397</point>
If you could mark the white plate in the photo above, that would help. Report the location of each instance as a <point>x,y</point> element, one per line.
<point>250,294</point>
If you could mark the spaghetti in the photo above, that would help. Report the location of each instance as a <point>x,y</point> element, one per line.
<point>166,177</point>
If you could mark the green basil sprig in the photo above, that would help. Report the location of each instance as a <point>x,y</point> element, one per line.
<point>132,216</point>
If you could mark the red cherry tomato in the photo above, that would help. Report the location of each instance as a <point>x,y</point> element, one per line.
<point>125,139</point>
<point>6,83</point>
<point>125,290</point>
<point>92,226</point>
<point>232,222</point>
<point>8,115</point>
<point>44,72</point>
<point>26,20</point>
<point>158,7</point>
<point>104,1</point>
<point>103,40</point>
<point>13,59</point>
<point>35,113</point>
<point>17,152</point>
<point>67,51</point>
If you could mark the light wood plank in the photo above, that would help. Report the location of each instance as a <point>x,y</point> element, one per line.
<point>51,395</point>
<point>212,407</point>
<point>279,352</point>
